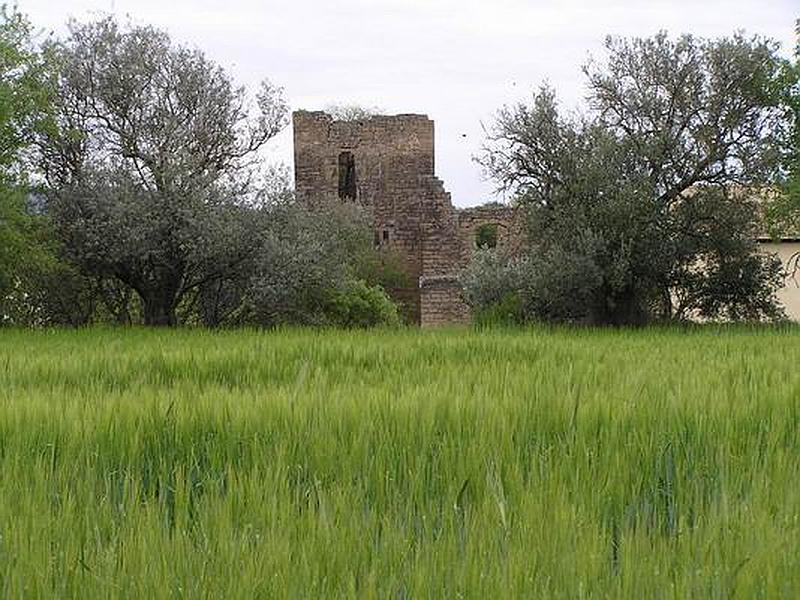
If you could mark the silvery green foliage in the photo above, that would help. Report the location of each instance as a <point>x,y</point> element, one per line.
<point>491,277</point>
<point>156,162</point>
<point>555,287</point>
<point>298,263</point>
<point>304,256</point>
<point>699,111</point>
<point>635,208</point>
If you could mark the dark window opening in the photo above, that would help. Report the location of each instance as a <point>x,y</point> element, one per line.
<point>385,235</point>
<point>486,236</point>
<point>347,176</point>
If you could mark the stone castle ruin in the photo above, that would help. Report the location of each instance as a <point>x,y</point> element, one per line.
<point>386,165</point>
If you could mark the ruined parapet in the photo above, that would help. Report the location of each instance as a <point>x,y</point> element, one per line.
<point>386,155</point>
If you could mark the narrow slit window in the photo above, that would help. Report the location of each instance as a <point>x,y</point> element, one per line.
<point>347,176</point>
<point>385,235</point>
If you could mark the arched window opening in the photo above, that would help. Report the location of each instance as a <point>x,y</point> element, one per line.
<point>486,236</point>
<point>347,176</point>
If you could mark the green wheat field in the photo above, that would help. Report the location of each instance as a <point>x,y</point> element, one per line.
<point>563,463</point>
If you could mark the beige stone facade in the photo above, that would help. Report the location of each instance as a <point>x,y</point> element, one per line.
<point>789,295</point>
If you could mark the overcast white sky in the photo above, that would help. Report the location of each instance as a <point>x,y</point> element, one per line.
<point>454,60</point>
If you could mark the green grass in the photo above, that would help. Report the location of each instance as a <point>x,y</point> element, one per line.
<point>407,464</point>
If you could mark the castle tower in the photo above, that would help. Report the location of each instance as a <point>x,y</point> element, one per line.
<point>386,164</point>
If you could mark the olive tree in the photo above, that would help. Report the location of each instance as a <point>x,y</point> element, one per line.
<point>156,148</point>
<point>645,206</point>
<point>314,266</point>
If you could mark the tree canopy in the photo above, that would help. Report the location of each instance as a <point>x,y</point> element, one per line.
<point>646,206</point>
<point>25,113</point>
<point>155,156</point>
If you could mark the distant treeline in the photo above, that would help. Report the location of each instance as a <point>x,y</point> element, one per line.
<point>133,190</point>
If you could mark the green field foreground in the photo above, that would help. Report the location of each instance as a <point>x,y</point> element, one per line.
<point>657,463</point>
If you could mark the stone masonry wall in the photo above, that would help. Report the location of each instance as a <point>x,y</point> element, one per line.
<point>392,155</point>
<point>442,260</point>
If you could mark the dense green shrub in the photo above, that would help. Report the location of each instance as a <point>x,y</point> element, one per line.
<point>360,305</point>
<point>486,236</point>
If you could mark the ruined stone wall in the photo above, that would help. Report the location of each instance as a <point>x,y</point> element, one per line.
<point>449,245</point>
<point>389,151</point>
<point>442,260</point>
<point>506,218</point>
<point>413,216</point>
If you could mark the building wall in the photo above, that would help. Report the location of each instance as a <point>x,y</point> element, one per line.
<point>789,294</point>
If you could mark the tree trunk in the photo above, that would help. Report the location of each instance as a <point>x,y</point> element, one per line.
<point>159,312</point>
<point>621,309</point>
